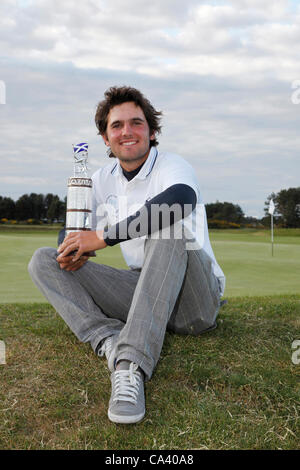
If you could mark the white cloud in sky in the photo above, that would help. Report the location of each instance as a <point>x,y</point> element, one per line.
<point>226,39</point>
<point>220,71</point>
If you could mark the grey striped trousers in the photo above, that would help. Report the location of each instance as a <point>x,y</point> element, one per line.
<point>175,290</point>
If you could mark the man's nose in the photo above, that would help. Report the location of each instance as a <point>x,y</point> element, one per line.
<point>127,130</point>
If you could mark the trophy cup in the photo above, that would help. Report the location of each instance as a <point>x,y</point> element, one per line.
<point>79,197</point>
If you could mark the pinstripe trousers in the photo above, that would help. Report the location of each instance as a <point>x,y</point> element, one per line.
<point>175,290</point>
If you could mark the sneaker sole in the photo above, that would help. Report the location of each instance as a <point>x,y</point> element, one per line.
<point>123,419</point>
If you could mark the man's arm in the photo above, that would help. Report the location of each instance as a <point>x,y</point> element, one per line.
<point>150,216</point>
<point>83,242</point>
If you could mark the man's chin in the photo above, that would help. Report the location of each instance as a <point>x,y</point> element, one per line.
<point>129,160</point>
<point>132,158</point>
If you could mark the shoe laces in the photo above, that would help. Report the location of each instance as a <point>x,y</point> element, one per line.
<point>127,384</point>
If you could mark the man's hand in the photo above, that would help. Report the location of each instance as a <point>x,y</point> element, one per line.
<point>81,243</point>
<point>68,264</point>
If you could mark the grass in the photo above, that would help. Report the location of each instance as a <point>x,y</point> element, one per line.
<point>246,258</point>
<point>233,388</point>
<point>16,249</point>
<point>244,255</point>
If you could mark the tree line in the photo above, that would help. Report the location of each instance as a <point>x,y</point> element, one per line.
<point>50,208</point>
<point>286,214</point>
<point>38,207</point>
<point>287,207</point>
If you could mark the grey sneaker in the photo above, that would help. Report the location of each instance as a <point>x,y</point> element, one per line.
<point>107,347</point>
<point>127,401</point>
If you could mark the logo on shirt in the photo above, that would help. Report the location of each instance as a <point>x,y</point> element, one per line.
<point>112,208</point>
<point>112,199</point>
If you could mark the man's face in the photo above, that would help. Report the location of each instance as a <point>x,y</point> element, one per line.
<point>128,135</point>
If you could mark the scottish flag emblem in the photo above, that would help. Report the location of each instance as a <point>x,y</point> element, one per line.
<point>83,147</point>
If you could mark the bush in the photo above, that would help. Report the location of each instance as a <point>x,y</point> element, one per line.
<point>215,223</point>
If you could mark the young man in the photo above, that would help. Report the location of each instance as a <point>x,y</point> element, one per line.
<point>149,201</point>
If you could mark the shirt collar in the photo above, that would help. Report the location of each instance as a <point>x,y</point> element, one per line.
<point>144,171</point>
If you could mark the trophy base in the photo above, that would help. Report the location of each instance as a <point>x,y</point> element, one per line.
<point>89,253</point>
<point>77,229</point>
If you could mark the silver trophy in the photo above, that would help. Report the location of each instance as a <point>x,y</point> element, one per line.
<point>79,197</point>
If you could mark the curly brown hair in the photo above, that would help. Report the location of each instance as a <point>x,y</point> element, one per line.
<point>118,95</point>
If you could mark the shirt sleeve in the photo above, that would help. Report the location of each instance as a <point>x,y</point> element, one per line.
<point>175,170</point>
<point>164,210</point>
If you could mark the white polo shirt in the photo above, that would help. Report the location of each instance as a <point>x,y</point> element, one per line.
<point>115,198</point>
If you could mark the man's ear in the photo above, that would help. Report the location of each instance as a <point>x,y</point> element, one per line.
<point>153,135</point>
<point>104,137</point>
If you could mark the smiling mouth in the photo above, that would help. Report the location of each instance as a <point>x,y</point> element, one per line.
<point>128,144</point>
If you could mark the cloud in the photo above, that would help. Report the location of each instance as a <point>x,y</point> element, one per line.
<point>155,37</point>
<point>30,181</point>
<point>220,71</point>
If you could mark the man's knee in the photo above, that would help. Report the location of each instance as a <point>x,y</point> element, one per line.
<point>41,257</point>
<point>164,243</point>
<point>195,328</point>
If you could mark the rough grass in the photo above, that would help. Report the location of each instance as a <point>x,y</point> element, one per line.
<point>233,388</point>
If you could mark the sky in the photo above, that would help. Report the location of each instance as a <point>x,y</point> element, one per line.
<point>225,74</point>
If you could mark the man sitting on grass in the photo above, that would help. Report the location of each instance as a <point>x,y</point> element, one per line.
<point>174,281</point>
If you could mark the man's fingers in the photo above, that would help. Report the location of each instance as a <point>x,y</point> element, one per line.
<point>66,241</point>
<point>68,249</point>
<point>64,261</point>
<point>68,264</point>
<point>78,255</point>
<point>81,242</point>
<point>76,265</point>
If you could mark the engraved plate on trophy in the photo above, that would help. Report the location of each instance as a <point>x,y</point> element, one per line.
<point>79,197</point>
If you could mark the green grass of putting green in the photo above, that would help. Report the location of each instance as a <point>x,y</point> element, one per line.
<point>244,255</point>
<point>16,249</point>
